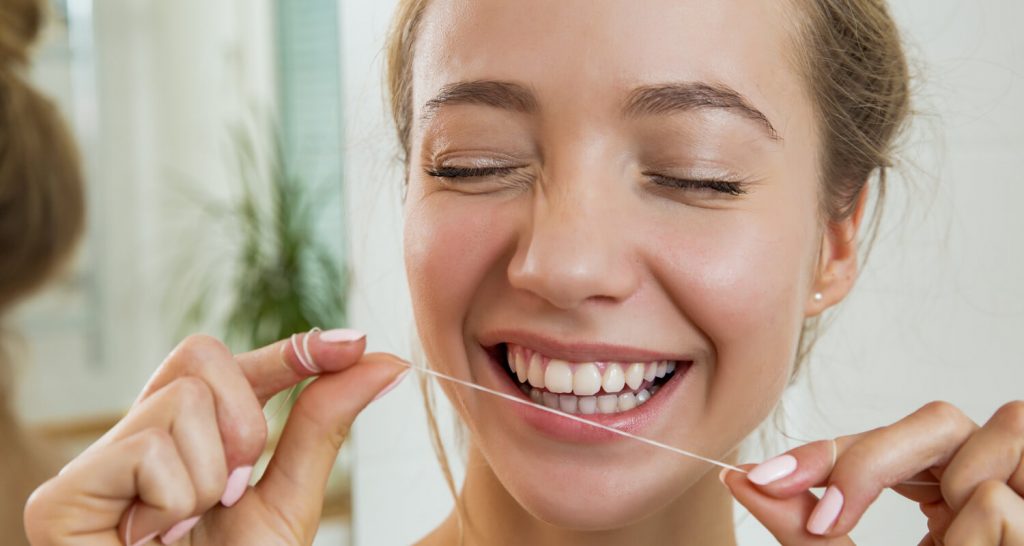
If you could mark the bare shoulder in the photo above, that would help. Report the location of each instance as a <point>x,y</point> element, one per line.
<point>446,534</point>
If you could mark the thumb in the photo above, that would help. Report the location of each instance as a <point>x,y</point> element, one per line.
<point>785,518</point>
<point>296,477</point>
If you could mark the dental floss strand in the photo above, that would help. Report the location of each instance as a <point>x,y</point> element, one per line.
<point>306,360</point>
<point>572,417</point>
<point>305,357</point>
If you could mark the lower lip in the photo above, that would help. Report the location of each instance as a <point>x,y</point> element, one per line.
<point>555,426</point>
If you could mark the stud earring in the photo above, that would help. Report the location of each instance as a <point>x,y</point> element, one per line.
<point>818,296</point>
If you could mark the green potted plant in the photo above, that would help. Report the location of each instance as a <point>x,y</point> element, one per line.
<point>256,269</point>
<point>272,274</point>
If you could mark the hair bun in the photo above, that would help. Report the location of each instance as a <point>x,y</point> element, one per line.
<point>20,23</point>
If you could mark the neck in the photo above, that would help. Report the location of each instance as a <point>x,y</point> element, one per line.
<point>700,515</point>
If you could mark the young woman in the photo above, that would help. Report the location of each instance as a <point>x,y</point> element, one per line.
<point>630,211</point>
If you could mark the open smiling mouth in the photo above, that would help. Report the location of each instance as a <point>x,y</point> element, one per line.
<point>585,387</point>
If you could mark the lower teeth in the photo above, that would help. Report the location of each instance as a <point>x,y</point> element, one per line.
<point>587,405</point>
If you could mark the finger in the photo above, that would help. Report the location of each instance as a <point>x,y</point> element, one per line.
<point>993,516</point>
<point>283,364</point>
<point>940,516</point>
<point>809,466</point>
<point>90,499</point>
<point>239,412</point>
<point>995,452</point>
<point>799,469</point>
<point>785,518</point>
<point>296,477</point>
<point>869,462</point>
<point>242,385</point>
<point>185,409</point>
<point>198,441</point>
<point>157,510</point>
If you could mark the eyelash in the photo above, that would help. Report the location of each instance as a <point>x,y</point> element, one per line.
<point>721,186</point>
<point>469,172</point>
<point>728,187</point>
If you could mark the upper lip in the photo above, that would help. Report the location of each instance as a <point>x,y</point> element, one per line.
<point>576,351</point>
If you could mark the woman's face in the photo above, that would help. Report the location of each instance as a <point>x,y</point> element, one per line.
<point>597,187</point>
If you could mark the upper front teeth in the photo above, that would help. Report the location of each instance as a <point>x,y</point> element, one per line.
<point>583,379</point>
<point>635,375</point>
<point>558,377</point>
<point>586,380</point>
<point>535,374</point>
<point>614,380</point>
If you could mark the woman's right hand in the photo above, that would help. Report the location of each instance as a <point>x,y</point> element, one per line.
<point>177,467</point>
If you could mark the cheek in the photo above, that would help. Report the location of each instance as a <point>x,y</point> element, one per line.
<point>741,282</point>
<point>450,249</point>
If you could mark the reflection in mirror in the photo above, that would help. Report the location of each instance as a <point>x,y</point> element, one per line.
<point>183,112</point>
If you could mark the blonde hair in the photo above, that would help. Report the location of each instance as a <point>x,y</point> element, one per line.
<point>851,55</point>
<point>41,219</point>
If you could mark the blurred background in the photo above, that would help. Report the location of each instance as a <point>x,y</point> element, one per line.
<point>242,181</point>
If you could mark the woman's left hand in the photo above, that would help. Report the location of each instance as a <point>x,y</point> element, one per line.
<point>980,471</point>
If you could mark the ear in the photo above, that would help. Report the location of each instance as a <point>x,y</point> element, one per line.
<point>837,266</point>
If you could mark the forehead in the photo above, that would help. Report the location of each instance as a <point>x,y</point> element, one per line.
<point>600,49</point>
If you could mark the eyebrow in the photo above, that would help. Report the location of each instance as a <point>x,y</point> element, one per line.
<point>499,94</point>
<point>681,97</point>
<point>648,100</point>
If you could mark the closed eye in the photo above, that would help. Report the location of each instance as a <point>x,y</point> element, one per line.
<point>728,187</point>
<point>469,172</point>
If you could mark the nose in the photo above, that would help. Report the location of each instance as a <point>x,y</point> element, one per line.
<point>575,250</point>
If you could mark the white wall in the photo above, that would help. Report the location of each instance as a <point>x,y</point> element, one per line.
<point>937,315</point>
<point>939,311</point>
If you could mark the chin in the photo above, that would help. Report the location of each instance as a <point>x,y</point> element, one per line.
<point>599,498</point>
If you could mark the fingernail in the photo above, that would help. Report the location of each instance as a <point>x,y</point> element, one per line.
<point>128,530</point>
<point>826,512</point>
<point>391,386</point>
<point>772,470</point>
<point>341,335</point>
<point>238,482</point>
<point>180,529</point>
<point>721,475</point>
<point>146,539</point>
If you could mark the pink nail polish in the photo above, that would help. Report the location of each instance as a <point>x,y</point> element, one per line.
<point>180,529</point>
<point>341,335</point>
<point>391,386</point>
<point>826,512</point>
<point>238,482</point>
<point>146,539</point>
<point>773,470</point>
